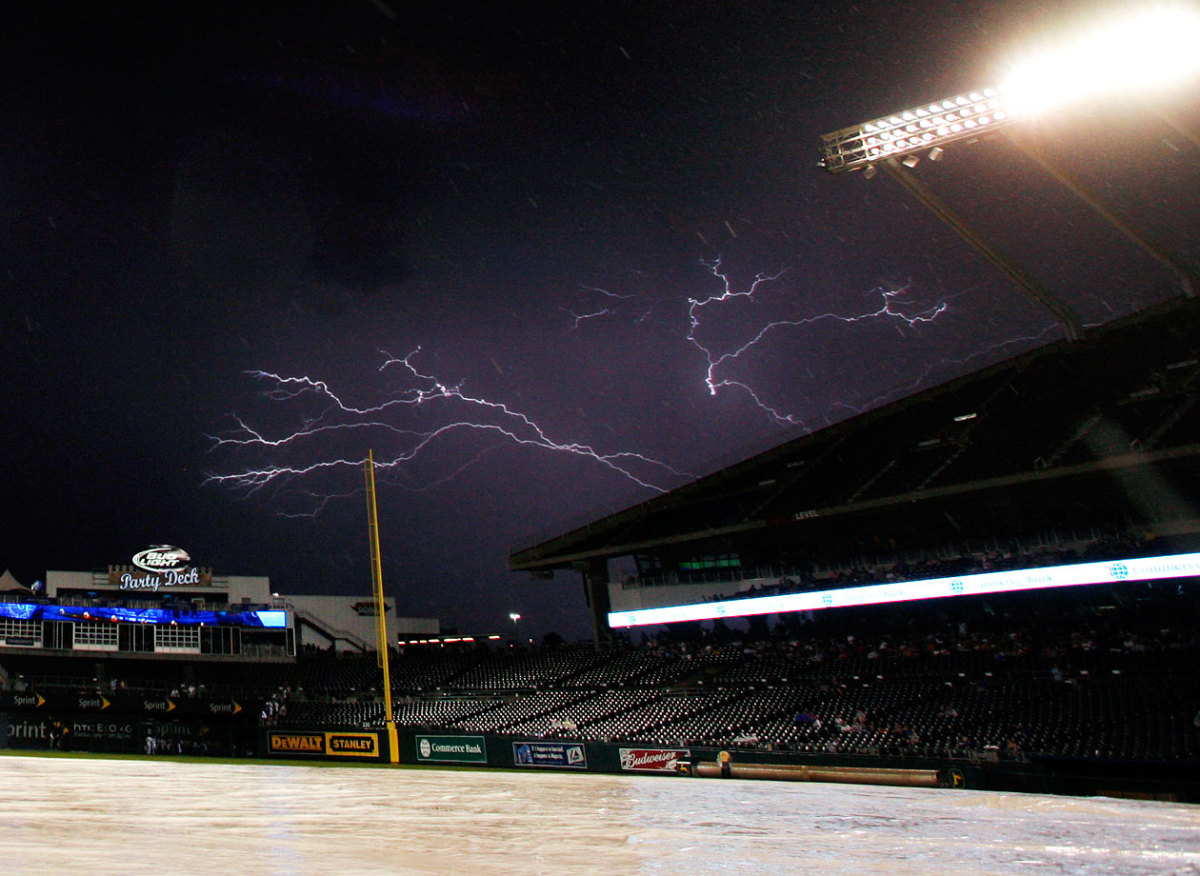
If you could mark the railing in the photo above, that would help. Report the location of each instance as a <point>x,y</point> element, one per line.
<point>1032,547</point>
<point>328,630</point>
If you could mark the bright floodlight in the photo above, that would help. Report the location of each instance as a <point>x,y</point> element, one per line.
<point>1144,52</point>
<point>1147,51</point>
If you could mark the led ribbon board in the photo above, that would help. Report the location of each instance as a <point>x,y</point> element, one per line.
<point>1077,575</point>
<point>33,611</point>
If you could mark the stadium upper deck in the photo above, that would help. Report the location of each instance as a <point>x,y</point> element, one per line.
<point>1095,434</point>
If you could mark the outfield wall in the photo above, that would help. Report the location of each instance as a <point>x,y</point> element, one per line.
<point>124,723</point>
<point>131,725</point>
<point>440,748</point>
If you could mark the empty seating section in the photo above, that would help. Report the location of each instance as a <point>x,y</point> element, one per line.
<point>440,711</point>
<point>1086,674</point>
<point>595,708</point>
<point>646,723</point>
<point>153,677</point>
<point>355,715</point>
<point>423,671</point>
<point>516,710</point>
<point>726,723</point>
<point>526,669</point>
<point>626,668</point>
<point>1096,672</point>
<point>336,679</point>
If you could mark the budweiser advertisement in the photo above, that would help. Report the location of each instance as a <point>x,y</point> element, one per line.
<point>654,760</point>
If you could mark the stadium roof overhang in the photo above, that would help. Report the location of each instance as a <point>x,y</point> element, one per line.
<point>612,537</point>
<point>829,484</point>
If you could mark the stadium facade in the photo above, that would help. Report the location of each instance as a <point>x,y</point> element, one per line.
<point>1075,464</point>
<point>160,652</point>
<point>186,609</point>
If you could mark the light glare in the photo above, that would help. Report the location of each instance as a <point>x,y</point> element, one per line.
<point>1145,52</point>
<point>1141,53</point>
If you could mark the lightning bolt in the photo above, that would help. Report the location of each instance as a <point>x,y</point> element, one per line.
<point>614,310</point>
<point>893,305</point>
<point>420,411</point>
<point>580,317</point>
<point>402,415</point>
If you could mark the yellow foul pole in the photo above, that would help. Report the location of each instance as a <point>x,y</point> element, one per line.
<point>381,630</point>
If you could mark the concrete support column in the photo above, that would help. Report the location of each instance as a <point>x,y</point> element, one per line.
<point>595,591</point>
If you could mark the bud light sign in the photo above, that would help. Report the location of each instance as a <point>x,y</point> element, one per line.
<point>161,558</point>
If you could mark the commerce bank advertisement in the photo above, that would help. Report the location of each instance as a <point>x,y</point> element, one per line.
<point>451,749</point>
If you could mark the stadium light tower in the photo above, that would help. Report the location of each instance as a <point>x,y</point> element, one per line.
<point>1134,55</point>
<point>927,128</point>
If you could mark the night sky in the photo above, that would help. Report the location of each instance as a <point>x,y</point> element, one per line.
<point>481,239</point>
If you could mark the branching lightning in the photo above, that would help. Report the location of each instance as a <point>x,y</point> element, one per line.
<point>580,317</point>
<point>420,397</point>
<point>420,411</point>
<point>615,310</point>
<point>893,306</point>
